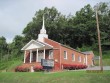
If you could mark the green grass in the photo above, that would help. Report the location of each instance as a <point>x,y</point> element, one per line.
<point>106,54</point>
<point>10,65</point>
<point>61,77</point>
<point>106,62</point>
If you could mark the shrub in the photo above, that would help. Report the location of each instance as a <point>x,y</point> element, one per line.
<point>38,68</point>
<point>21,69</point>
<point>74,66</point>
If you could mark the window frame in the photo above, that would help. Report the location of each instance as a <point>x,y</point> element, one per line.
<point>73,59</point>
<point>84,60</point>
<point>79,58</point>
<point>65,54</point>
<point>51,51</point>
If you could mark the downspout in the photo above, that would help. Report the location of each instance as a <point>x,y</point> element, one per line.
<point>86,59</point>
<point>60,58</point>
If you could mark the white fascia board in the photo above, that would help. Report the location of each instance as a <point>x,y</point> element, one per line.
<point>24,48</point>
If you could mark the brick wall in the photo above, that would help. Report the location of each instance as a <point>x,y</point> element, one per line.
<point>59,52</point>
<point>69,59</point>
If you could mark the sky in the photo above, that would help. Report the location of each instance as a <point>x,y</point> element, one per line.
<point>16,14</point>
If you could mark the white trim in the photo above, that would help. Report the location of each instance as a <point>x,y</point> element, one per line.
<point>24,48</point>
<point>46,44</point>
<point>24,56</point>
<point>30,56</point>
<point>44,54</point>
<point>37,55</point>
<point>86,59</point>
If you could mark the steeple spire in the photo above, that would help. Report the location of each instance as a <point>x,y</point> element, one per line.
<point>43,31</point>
<point>42,34</point>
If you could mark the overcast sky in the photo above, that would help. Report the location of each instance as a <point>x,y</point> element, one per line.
<point>16,14</point>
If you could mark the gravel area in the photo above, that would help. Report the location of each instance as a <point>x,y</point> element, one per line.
<point>98,68</point>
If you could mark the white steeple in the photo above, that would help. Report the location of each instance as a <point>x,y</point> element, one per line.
<point>42,34</point>
<point>43,28</point>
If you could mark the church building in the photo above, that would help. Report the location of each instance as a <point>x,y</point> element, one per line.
<point>45,48</point>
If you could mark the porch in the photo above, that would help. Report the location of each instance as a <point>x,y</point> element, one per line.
<point>35,50</point>
<point>31,56</point>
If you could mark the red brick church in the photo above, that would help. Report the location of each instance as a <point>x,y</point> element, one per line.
<point>45,48</point>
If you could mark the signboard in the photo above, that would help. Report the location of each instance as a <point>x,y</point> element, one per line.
<point>96,58</point>
<point>47,62</point>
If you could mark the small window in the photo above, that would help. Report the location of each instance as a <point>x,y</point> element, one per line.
<point>51,54</point>
<point>79,58</point>
<point>65,55</point>
<point>73,57</point>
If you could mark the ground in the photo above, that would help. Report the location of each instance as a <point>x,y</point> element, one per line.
<point>98,68</point>
<point>59,77</point>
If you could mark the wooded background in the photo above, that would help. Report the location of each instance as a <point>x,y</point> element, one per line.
<point>78,31</point>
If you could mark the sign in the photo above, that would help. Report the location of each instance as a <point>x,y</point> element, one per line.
<point>96,58</point>
<point>47,62</point>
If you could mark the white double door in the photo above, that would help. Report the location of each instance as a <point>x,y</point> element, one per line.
<point>40,55</point>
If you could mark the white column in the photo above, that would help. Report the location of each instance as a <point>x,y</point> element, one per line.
<point>86,59</point>
<point>44,53</point>
<point>30,56</point>
<point>37,55</point>
<point>24,56</point>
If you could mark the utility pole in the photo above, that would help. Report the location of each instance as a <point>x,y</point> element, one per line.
<point>99,42</point>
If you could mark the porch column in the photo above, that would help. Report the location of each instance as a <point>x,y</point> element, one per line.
<point>30,56</point>
<point>37,55</point>
<point>24,56</point>
<point>86,59</point>
<point>44,54</point>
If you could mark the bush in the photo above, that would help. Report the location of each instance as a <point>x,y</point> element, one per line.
<point>21,69</point>
<point>74,66</point>
<point>38,68</point>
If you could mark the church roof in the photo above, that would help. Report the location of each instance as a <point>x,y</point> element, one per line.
<point>33,44</point>
<point>88,52</point>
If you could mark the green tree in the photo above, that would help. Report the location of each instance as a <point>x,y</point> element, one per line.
<point>104,21</point>
<point>54,22</point>
<point>3,47</point>
<point>16,45</point>
<point>84,23</point>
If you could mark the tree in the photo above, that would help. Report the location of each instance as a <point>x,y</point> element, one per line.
<point>75,31</point>
<point>84,23</point>
<point>54,22</point>
<point>3,47</point>
<point>16,45</point>
<point>104,21</point>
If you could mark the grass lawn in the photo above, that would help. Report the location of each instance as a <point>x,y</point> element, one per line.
<point>61,77</point>
<point>106,62</point>
<point>10,65</point>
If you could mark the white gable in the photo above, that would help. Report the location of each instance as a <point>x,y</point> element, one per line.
<point>32,45</point>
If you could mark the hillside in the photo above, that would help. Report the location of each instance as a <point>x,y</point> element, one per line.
<point>11,64</point>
